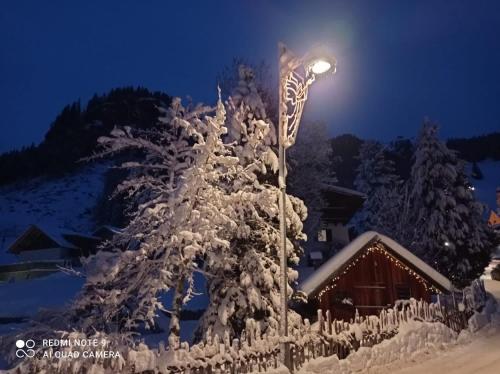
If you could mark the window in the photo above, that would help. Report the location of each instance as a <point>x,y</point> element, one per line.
<point>325,235</point>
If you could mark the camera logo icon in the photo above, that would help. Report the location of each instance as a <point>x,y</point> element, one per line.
<point>25,348</point>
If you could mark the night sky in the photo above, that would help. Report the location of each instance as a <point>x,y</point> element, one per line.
<point>398,61</point>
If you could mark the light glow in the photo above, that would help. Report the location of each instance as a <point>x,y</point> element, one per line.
<point>320,66</point>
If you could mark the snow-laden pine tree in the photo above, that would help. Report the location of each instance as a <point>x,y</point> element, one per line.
<point>377,179</point>
<point>244,285</point>
<point>310,171</point>
<point>448,229</point>
<point>183,214</point>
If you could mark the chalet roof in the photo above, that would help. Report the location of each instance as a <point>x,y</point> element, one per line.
<point>55,235</point>
<point>346,191</point>
<point>336,263</point>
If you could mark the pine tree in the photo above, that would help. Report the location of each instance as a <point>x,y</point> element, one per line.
<point>376,178</point>
<point>244,285</point>
<point>310,171</point>
<point>449,232</point>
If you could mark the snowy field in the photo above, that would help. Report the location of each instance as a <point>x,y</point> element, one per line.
<point>26,298</point>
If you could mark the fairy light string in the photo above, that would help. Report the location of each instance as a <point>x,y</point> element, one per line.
<point>378,248</point>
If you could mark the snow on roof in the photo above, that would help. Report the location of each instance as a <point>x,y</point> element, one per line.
<point>110,228</point>
<point>345,191</point>
<point>334,264</point>
<point>54,234</point>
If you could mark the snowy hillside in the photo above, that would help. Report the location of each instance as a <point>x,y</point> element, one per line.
<point>61,203</point>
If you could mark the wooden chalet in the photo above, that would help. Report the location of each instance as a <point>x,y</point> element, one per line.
<point>369,274</point>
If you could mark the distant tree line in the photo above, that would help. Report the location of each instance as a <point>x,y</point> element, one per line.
<point>73,134</point>
<point>477,148</point>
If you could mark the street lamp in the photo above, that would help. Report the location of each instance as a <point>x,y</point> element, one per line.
<point>295,77</point>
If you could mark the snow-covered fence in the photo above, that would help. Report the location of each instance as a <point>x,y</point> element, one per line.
<point>258,352</point>
<point>326,337</point>
<point>254,352</point>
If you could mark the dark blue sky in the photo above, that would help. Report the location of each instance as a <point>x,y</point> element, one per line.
<point>398,61</point>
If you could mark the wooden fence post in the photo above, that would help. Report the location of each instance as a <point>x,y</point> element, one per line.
<point>329,321</point>
<point>320,321</point>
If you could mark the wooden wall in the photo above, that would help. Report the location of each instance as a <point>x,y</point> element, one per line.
<point>372,284</point>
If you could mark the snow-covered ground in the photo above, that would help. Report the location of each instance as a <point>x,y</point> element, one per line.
<point>26,298</point>
<point>58,203</point>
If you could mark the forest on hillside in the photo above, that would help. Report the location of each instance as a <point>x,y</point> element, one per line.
<point>73,136</point>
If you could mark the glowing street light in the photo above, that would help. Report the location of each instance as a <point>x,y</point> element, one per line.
<point>295,77</point>
<point>320,66</point>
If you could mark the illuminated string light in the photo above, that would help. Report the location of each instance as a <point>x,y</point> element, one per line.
<point>380,249</point>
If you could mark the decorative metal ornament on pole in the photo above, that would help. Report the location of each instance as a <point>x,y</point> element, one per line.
<point>293,89</point>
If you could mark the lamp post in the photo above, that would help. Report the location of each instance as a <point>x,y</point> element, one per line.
<point>295,77</point>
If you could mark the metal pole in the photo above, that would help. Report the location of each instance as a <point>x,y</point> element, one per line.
<point>282,125</point>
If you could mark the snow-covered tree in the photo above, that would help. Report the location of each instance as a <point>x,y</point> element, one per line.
<point>182,213</point>
<point>310,170</point>
<point>377,179</point>
<point>262,80</point>
<point>199,202</point>
<point>245,284</point>
<point>448,230</point>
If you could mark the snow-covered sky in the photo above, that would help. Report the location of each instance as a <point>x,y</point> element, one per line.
<point>398,60</point>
